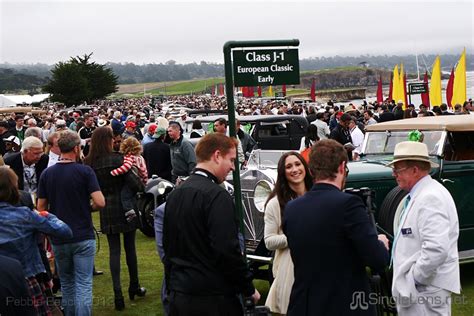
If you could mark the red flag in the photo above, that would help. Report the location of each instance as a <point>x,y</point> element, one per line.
<point>283,89</point>
<point>251,92</point>
<point>379,91</point>
<point>245,92</point>
<point>405,90</point>
<point>221,89</point>
<point>390,91</point>
<point>313,91</point>
<point>449,88</point>
<point>259,91</point>
<point>425,97</point>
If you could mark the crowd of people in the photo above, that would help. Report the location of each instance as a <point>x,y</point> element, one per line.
<point>64,164</point>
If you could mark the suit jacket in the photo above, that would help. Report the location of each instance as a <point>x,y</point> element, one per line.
<point>386,116</point>
<point>426,249</point>
<point>15,162</point>
<point>331,241</point>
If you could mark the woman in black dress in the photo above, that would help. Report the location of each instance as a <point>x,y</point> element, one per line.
<point>113,222</point>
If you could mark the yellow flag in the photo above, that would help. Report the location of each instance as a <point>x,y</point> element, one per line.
<point>435,83</point>
<point>459,87</point>
<point>396,84</point>
<point>402,87</point>
<point>270,92</point>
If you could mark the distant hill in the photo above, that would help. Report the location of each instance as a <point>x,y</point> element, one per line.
<point>130,73</point>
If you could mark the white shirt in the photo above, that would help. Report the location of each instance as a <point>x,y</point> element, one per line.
<point>53,159</point>
<point>357,139</point>
<point>323,129</point>
<point>30,184</point>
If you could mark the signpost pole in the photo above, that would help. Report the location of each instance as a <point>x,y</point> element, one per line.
<point>229,89</point>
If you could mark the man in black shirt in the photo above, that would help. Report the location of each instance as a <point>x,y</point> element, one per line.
<point>342,135</point>
<point>204,267</point>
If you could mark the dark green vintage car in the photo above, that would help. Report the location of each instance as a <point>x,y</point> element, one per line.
<point>450,141</point>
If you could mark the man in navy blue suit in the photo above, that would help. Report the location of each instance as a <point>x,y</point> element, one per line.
<point>331,241</point>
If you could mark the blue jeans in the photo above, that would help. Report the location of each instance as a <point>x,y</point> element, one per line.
<point>127,197</point>
<point>76,264</point>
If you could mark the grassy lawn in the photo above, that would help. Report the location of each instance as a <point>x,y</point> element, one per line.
<point>150,271</point>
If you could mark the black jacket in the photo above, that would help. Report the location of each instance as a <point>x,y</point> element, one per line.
<point>15,162</point>
<point>331,241</point>
<point>342,136</point>
<point>386,116</point>
<point>200,240</point>
<point>158,159</point>
<point>13,289</point>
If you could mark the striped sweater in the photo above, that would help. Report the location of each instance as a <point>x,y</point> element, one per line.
<point>129,161</point>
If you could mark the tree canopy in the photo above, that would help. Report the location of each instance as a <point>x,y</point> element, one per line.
<point>79,80</point>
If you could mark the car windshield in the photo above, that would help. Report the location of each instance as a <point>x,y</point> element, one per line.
<point>383,143</point>
<point>264,159</point>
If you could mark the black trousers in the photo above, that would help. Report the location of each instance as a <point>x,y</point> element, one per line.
<point>188,305</point>
<point>131,259</point>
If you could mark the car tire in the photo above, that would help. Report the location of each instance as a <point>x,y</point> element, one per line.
<point>391,208</point>
<point>147,209</point>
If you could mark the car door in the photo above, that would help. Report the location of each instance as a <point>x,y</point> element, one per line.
<point>457,176</point>
<point>272,135</point>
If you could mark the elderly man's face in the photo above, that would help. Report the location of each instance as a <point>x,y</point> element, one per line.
<point>32,155</point>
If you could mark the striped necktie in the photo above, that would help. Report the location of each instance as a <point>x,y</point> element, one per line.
<point>400,222</point>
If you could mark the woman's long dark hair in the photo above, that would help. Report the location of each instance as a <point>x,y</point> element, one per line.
<point>101,144</point>
<point>311,135</point>
<point>282,189</point>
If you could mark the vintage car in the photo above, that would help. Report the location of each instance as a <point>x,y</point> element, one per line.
<point>269,131</point>
<point>450,140</point>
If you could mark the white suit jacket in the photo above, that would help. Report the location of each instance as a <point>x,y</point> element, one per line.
<point>426,249</point>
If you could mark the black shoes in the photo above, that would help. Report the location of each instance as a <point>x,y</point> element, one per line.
<point>140,291</point>
<point>118,301</point>
<point>97,272</point>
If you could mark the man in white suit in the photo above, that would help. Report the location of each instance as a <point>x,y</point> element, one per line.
<point>424,251</point>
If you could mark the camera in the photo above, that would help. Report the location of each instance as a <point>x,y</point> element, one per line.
<point>251,310</point>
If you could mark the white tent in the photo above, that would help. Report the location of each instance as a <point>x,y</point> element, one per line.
<point>14,100</point>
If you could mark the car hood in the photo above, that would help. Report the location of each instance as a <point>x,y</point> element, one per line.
<point>369,170</point>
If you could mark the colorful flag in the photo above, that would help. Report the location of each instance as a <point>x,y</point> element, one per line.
<point>283,89</point>
<point>313,91</point>
<point>449,89</point>
<point>379,90</point>
<point>435,83</point>
<point>390,90</point>
<point>245,92</point>
<point>270,92</point>
<point>425,97</point>
<point>396,93</point>
<point>221,89</point>
<point>403,88</point>
<point>459,87</point>
<point>251,92</point>
<point>259,91</point>
<point>405,106</point>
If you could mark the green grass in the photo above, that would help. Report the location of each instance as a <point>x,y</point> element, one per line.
<point>194,86</point>
<point>150,271</point>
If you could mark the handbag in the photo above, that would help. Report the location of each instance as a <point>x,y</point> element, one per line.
<point>134,181</point>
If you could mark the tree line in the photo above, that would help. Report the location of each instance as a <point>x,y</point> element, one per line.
<point>22,77</point>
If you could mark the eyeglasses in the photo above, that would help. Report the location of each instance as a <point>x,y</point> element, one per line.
<point>399,170</point>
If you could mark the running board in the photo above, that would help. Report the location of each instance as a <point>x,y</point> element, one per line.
<point>466,256</point>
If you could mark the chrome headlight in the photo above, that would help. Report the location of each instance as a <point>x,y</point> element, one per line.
<point>164,187</point>
<point>261,192</point>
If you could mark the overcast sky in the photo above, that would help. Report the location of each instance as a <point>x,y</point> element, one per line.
<point>157,31</point>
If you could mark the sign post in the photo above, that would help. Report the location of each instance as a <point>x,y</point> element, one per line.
<point>417,88</point>
<point>283,68</point>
